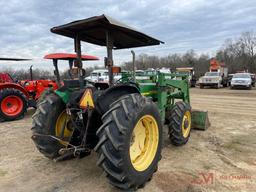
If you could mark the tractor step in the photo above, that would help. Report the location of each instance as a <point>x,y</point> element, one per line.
<point>200,119</point>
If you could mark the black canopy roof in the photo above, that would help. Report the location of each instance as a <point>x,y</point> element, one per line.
<point>93,30</point>
<point>13,59</point>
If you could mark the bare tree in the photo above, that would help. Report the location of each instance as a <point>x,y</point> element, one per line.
<point>239,54</point>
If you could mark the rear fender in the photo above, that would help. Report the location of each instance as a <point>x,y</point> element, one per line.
<point>112,94</point>
<point>14,86</point>
<point>102,99</point>
<point>64,94</point>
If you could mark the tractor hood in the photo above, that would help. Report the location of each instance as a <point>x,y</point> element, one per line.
<point>93,30</point>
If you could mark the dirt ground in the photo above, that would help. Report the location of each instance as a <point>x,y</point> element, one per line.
<point>223,158</point>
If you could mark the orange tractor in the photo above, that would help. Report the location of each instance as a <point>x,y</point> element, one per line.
<point>17,96</point>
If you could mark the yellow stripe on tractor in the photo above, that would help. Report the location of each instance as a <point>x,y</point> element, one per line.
<point>149,93</point>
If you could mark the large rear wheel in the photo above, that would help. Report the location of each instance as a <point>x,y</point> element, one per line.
<point>13,104</point>
<point>130,141</point>
<point>51,118</point>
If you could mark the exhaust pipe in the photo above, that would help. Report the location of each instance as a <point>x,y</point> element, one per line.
<point>31,72</point>
<point>133,64</point>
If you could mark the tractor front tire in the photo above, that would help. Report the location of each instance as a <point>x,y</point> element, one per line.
<point>49,116</point>
<point>13,104</point>
<point>180,123</point>
<point>130,141</point>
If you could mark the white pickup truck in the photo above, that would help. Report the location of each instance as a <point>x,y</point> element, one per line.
<point>241,80</point>
<point>99,75</point>
<point>213,79</point>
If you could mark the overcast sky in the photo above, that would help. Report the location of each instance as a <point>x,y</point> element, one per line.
<point>201,25</point>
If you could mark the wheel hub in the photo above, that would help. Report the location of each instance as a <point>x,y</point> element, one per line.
<point>186,124</point>
<point>63,128</point>
<point>144,142</point>
<point>8,105</point>
<point>12,105</point>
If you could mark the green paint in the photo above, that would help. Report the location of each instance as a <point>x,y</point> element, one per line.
<point>200,120</point>
<point>164,88</point>
<point>64,95</point>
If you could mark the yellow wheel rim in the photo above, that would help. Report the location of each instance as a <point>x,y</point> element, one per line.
<point>62,123</point>
<point>144,142</point>
<point>186,124</point>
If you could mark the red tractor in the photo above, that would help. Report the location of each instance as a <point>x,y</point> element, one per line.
<point>17,96</point>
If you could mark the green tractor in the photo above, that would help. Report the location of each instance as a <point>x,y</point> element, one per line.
<point>122,121</point>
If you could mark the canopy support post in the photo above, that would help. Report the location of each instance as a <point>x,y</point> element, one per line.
<point>56,71</point>
<point>109,45</point>
<point>31,72</point>
<point>79,61</point>
<point>133,65</point>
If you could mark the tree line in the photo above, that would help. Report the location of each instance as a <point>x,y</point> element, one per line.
<point>238,54</point>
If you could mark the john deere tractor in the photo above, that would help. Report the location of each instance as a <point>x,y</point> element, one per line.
<point>123,122</point>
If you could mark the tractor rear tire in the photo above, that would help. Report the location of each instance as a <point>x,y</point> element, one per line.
<point>13,104</point>
<point>180,123</point>
<point>119,141</point>
<point>45,118</point>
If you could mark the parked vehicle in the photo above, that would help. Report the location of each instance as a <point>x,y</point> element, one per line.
<point>101,76</point>
<point>253,76</point>
<point>139,72</point>
<point>190,72</point>
<point>241,80</point>
<point>98,75</point>
<point>230,76</point>
<point>164,70</point>
<point>217,76</point>
<point>16,96</point>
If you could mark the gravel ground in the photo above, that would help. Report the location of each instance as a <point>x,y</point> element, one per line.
<point>223,158</point>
